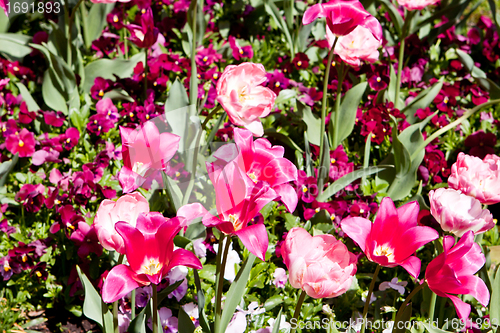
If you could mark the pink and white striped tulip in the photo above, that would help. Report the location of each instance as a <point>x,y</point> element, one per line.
<point>478,178</point>
<point>458,213</point>
<point>417,4</point>
<point>126,209</point>
<point>149,248</point>
<point>394,236</point>
<point>359,44</point>
<point>452,272</point>
<point>320,265</point>
<point>241,94</point>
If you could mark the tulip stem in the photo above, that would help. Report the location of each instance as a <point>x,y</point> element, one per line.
<point>298,307</point>
<point>220,282</point>
<point>368,297</point>
<point>432,307</point>
<point>70,23</point>
<point>146,76</point>
<point>341,75</point>
<point>155,309</point>
<point>193,83</point>
<point>323,113</point>
<point>400,71</point>
<point>132,305</point>
<point>407,300</point>
<point>189,189</point>
<point>115,303</point>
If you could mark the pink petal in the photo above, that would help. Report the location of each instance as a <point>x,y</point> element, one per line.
<point>135,246</point>
<point>477,288</point>
<point>408,214</point>
<point>463,309</point>
<point>129,180</point>
<point>358,229</point>
<point>386,223</point>
<point>244,141</point>
<point>313,13</point>
<point>255,239</point>
<point>411,240</point>
<point>412,266</point>
<point>119,282</point>
<point>181,257</point>
<point>288,196</point>
<point>189,212</point>
<point>279,171</point>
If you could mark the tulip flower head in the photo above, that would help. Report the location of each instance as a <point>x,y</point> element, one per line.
<point>452,272</point>
<point>342,17</point>
<point>458,213</point>
<point>393,238</point>
<point>145,35</point>
<point>126,209</point>
<point>320,265</point>
<point>478,178</point>
<point>262,162</point>
<point>145,152</point>
<point>417,4</point>
<point>149,248</point>
<point>359,44</point>
<point>240,93</point>
<point>238,200</point>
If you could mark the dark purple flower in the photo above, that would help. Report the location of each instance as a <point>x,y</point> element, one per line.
<point>31,197</point>
<point>100,87</point>
<point>301,61</point>
<point>277,81</point>
<point>207,56</point>
<point>40,271</point>
<point>240,51</point>
<point>8,268</point>
<point>481,144</point>
<point>307,190</point>
<point>86,240</point>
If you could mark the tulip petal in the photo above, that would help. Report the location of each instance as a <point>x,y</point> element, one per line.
<point>182,257</point>
<point>255,239</point>
<point>288,196</point>
<point>358,229</point>
<point>129,180</point>
<point>189,212</point>
<point>119,282</point>
<point>477,288</point>
<point>463,309</point>
<point>135,246</point>
<point>313,13</point>
<point>412,266</point>
<point>408,214</point>
<point>411,240</point>
<point>386,224</point>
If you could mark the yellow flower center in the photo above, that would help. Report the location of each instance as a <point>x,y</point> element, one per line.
<point>101,93</point>
<point>241,51</point>
<point>205,59</point>
<point>384,250</point>
<point>216,76</point>
<point>277,84</point>
<point>38,274</point>
<point>21,143</point>
<point>6,267</point>
<point>152,268</point>
<point>253,177</point>
<point>115,18</point>
<point>304,189</point>
<point>237,224</point>
<point>446,100</point>
<point>177,174</point>
<point>299,63</point>
<point>317,210</point>
<point>379,79</point>
<point>333,160</point>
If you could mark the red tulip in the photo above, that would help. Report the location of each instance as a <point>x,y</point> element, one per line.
<point>149,248</point>
<point>343,16</point>
<point>393,237</point>
<point>452,272</point>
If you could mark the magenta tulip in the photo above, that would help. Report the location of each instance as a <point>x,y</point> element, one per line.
<point>145,35</point>
<point>320,265</point>
<point>126,209</point>
<point>4,7</point>
<point>343,16</point>
<point>241,94</point>
<point>417,4</point>
<point>239,199</point>
<point>145,153</point>
<point>458,213</point>
<point>393,237</point>
<point>452,272</point>
<point>262,161</point>
<point>478,178</point>
<point>149,248</point>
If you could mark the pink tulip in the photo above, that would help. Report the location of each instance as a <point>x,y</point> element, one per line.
<point>320,265</point>
<point>126,209</point>
<point>417,4</point>
<point>4,6</point>
<point>452,272</point>
<point>393,237</point>
<point>149,248</point>
<point>478,178</point>
<point>238,200</point>
<point>458,213</point>
<point>240,93</point>
<point>359,44</point>
<point>145,153</point>
<point>262,161</point>
<point>343,16</point>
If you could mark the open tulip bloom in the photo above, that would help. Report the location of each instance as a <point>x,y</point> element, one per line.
<point>393,237</point>
<point>452,272</point>
<point>149,248</point>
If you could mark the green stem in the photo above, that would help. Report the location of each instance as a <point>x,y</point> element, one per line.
<point>432,307</point>
<point>146,76</point>
<point>323,109</point>
<point>132,305</point>
<point>190,187</point>
<point>70,24</point>
<point>193,84</point>
<point>125,40</point>
<point>220,284</point>
<point>452,125</point>
<point>155,309</point>
<point>115,303</point>
<point>298,307</point>
<point>368,297</point>
<point>341,76</point>
<point>407,300</point>
<point>400,72</point>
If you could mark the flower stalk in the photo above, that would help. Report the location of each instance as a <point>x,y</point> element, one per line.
<point>298,307</point>
<point>368,297</point>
